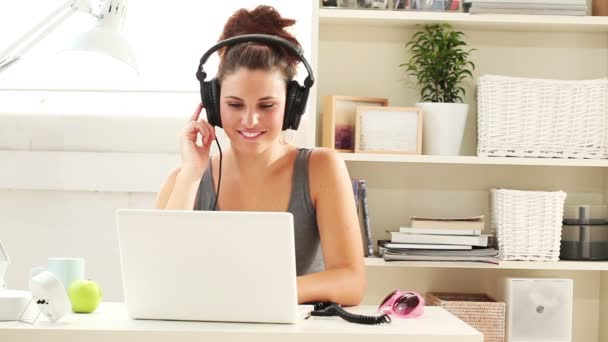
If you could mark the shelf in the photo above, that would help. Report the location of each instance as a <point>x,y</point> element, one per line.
<point>471,160</point>
<point>506,22</point>
<point>505,265</point>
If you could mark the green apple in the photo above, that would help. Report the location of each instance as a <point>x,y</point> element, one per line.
<point>85,296</point>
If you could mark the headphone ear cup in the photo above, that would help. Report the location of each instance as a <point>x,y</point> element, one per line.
<point>211,101</point>
<point>295,103</point>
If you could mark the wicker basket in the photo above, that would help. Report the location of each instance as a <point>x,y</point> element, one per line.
<point>477,310</point>
<point>528,224</point>
<point>525,117</point>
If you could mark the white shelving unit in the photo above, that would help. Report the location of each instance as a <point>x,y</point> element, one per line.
<point>359,52</point>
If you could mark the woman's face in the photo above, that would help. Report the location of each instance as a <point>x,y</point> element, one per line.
<point>252,103</point>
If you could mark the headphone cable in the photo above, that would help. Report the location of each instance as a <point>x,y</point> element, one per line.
<point>219,180</point>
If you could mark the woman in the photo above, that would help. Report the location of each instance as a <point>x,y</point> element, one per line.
<point>262,172</point>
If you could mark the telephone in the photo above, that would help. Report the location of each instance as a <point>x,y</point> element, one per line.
<point>328,309</point>
<point>12,302</point>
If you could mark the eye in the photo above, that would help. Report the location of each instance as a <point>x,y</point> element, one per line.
<point>235,105</point>
<point>267,105</point>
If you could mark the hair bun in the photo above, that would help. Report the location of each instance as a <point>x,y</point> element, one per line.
<point>261,20</point>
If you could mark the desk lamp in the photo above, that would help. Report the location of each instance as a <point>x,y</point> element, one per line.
<point>12,302</point>
<point>4,261</point>
<point>45,289</point>
<point>103,38</point>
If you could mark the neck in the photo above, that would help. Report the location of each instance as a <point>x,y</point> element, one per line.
<point>257,164</point>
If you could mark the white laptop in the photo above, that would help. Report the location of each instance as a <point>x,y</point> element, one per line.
<point>208,266</point>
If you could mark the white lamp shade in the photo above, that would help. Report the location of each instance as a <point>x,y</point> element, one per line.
<point>105,37</point>
<point>105,41</point>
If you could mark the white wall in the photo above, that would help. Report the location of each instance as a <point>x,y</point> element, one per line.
<point>64,174</point>
<point>38,224</point>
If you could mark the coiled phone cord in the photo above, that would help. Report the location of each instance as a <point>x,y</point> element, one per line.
<point>334,309</point>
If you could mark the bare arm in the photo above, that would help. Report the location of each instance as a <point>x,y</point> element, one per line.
<point>343,280</point>
<point>179,189</point>
<point>162,198</point>
<point>184,192</point>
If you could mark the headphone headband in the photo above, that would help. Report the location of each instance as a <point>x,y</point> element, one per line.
<point>260,38</point>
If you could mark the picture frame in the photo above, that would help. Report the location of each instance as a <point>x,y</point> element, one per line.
<point>391,130</point>
<point>339,113</point>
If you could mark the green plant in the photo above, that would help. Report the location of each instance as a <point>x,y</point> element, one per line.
<point>440,63</point>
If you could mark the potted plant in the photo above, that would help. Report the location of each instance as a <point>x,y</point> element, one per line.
<point>439,61</point>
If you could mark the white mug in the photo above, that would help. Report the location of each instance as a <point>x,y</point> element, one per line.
<point>66,270</point>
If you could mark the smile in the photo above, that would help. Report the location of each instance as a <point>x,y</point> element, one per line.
<point>251,135</point>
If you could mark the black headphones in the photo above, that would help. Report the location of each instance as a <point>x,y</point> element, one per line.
<point>297,95</point>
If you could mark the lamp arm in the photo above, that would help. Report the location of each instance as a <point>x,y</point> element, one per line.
<point>44,27</point>
<point>3,256</point>
<point>4,261</point>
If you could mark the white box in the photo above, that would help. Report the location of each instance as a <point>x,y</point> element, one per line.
<point>539,309</point>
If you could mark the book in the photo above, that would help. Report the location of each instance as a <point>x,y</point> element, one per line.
<point>439,231</point>
<point>543,2</point>
<point>366,223</point>
<point>399,246</point>
<point>355,183</point>
<point>360,193</point>
<point>426,252</point>
<point>388,256</point>
<point>479,241</point>
<point>474,222</point>
<point>475,10</point>
<point>514,5</point>
<point>382,246</point>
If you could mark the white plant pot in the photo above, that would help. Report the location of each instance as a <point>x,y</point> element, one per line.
<point>443,127</point>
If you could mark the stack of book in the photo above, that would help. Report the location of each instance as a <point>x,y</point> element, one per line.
<point>441,239</point>
<point>547,7</point>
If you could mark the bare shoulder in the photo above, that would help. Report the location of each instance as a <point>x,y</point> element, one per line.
<point>324,160</point>
<point>326,168</point>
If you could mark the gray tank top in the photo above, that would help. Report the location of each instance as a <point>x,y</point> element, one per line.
<point>309,257</point>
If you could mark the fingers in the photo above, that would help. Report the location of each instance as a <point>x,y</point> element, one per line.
<point>205,129</point>
<point>209,131</point>
<point>197,112</point>
<point>199,126</point>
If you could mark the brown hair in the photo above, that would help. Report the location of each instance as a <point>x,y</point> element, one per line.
<point>255,56</point>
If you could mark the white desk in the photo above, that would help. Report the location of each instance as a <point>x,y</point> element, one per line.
<point>110,323</point>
